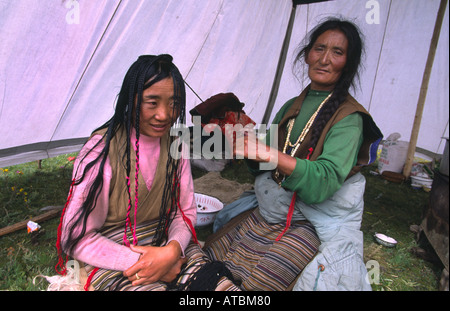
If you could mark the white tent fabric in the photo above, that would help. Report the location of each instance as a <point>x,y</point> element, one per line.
<point>62,62</point>
<point>396,54</point>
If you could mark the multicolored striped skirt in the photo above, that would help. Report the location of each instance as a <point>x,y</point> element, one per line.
<point>256,260</point>
<point>247,246</point>
<point>111,280</point>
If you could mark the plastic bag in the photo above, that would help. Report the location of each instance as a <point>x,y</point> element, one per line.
<point>393,154</point>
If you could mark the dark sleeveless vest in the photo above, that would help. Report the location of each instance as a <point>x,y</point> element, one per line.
<point>371,133</point>
<point>149,200</point>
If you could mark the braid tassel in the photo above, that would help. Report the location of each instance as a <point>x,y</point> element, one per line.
<point>89,280</point>
<point>289,217</point>
<point>292,205</point>
<point>186,220</point>
<point>61,266</point>
<point>128,220</point>
<point>136,182</point>
<point>136,202</point>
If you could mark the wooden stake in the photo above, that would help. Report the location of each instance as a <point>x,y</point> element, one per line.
<point>423,90</point>
<point>23,224</point>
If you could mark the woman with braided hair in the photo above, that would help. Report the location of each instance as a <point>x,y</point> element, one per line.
<point>314,195</point>
<point>131,212</point>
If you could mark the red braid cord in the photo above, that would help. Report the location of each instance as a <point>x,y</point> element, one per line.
<point>128,220</point>
<point>89,279</point>
<point>186,220</point>
<point>309,153</point>
<point>136,196</point>
<point>292,205</point>
<point>61,266</point>
<point>289,217</point>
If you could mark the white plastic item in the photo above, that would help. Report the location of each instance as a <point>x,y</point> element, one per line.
<point>393,154</point>
<point>421,181</point>
<point>207,208</point>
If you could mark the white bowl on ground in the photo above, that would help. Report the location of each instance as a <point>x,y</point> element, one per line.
<point>207,208</point>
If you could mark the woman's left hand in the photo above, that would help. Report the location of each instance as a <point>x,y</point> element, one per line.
<point>246,145</point>
<point>155,264</point>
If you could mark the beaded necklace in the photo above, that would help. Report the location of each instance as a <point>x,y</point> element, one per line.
<point>294,147</point>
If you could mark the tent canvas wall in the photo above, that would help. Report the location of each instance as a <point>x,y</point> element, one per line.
<point>62,62</point>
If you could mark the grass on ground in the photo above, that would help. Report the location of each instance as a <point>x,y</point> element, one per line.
<point>25,189</point>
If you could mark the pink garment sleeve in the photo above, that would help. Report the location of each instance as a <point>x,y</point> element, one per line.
<point>179,230</point>
<point>95,249</point>
<point>99,251</point>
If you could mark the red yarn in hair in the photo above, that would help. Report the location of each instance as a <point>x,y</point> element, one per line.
<point>61,266</point>
<point>128,220</point>
<point>89,279</point>
<point>136,202</point>
<point>61,262</point>
<point>186,220</point>
<point>136,187</point>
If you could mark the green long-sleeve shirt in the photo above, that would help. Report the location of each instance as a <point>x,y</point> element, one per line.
<point>315,181</point>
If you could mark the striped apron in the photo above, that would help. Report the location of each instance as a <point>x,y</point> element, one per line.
<point>256,260</point>
<point>112,280</point>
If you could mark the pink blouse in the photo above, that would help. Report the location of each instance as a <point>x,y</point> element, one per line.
<point>99,251</point>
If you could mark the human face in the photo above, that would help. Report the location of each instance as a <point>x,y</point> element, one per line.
<point>157,109</point>
<point>326,60</point>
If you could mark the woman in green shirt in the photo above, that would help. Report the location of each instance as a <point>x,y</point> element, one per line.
<point>344,138</point>
<point>324,136</point>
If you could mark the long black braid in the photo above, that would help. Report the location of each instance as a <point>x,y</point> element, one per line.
<point>172,184</point>
<point>144,72</point>
<point>350,71</point>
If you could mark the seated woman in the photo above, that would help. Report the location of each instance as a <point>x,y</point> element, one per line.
<point>131,213</point>
<point>309,208</point>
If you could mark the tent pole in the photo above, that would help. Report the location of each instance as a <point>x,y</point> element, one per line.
<point>424,89</point>
<point>280,67</point>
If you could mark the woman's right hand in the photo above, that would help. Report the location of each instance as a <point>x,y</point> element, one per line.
<point>245,145</point>
<point>155,264</point>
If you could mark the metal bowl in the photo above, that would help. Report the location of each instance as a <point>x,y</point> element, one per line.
<point>385,240</point>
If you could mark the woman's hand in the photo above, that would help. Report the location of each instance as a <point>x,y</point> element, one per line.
<point>246,145</point>
<point>155,264</point>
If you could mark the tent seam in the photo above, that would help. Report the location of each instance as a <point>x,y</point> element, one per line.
<point>84,72</point>
<point>379,57</point>
<point>206,39</point>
